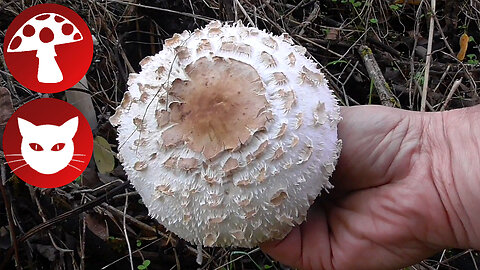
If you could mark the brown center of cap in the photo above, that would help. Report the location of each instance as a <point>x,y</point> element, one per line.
<point>220,107</point>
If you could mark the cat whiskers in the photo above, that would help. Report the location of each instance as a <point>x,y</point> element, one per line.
<point>13,161</point>
<point>74,167</point>
<point>78,160</point>
<point>19,167</point>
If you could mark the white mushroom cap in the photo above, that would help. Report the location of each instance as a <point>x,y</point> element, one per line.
<point>44,30</point>
<point>228,134</point>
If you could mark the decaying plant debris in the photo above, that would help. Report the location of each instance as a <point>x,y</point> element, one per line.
<point>78,226</point>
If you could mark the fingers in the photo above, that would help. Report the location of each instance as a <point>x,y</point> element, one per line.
<point>373,140</point>
<point>287,251</point>
<point>306,246</point>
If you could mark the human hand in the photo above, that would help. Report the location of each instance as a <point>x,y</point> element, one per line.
<point>389,207</point>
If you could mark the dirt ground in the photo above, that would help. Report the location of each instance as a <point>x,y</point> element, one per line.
<point>80,225</point>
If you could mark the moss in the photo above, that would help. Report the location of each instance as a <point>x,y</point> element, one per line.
<point>366,51</point>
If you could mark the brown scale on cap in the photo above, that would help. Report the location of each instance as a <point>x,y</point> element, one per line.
<point>204,45</point>
<point>289,99</point>
<point>188,164</point>
<point>278,153</point>
<point>299,117</point>
<point>182,53</point>
<point>173,40</point>
<point>164,190</point>
<point>279,78</point>
<point>268,60</point>
<point>244,49</point>
<point>219,107</point>
<point>270,42</point>
<point>162,117</point>
<point>228,46</point>
<point>310,77</point>
<point>146,60</point>
<point>144,97</point>
<point>278,197</point>
<point>140,165</point>
<point>230,166</point>
<point>214,32</point>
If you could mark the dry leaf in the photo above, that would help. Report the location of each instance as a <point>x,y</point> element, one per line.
<point>333,34</point>
<point>82,100</point>
<point>96,224</point>
<point>463,46</point>
<point>103,155</point>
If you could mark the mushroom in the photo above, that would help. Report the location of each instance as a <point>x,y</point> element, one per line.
<point>41,33</point>
<point>228,134</point>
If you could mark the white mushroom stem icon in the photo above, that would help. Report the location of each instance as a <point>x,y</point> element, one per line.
<point>42,33</point>
<point>48,69</point>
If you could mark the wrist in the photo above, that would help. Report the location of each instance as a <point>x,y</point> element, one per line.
<point>455,141</point>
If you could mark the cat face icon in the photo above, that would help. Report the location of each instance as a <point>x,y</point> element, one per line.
<point>47,143</point>
<point>47,149</point>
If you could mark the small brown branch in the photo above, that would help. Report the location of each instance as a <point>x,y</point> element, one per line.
<point>8,208</point>
<point>227,12</point>
<point>375,74</point>
<point>429,56</point>
<point>312,17</point>
<point>52,222</point>
<point>454,88</point>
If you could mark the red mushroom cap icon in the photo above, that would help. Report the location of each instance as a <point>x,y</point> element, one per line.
<point>42,33</point>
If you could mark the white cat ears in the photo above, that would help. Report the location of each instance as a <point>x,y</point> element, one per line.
<point>68,129</point>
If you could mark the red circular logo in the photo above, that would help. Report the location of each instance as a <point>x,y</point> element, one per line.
<point>47,143</point>
<point>48,48</point>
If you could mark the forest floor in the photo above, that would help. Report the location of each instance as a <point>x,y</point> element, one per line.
<point>429,63</point>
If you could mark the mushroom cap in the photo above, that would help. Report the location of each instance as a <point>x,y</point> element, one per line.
<point>45,30</point>
<point>228,134</point>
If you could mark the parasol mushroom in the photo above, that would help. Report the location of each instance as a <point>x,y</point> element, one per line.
<point>42,33</point>
<point>228,134</point>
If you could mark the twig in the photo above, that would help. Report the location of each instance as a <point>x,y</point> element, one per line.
<point>52,222</point>
<point>125,231</point>
<point>8,208</point>
<point>137,250</point>
<point>312,17</point>
<point>429,56</point>
<point>383,89</point>
<point>238,258</point>
<point>200,17</point>
<point>454,88</point>
<point>242,9</point>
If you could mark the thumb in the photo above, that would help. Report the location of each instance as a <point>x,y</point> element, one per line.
<point>374,140</point>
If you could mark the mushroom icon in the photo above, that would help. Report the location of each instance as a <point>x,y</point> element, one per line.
<point>42,33</point>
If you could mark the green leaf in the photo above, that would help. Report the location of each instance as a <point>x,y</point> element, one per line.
<point>141,267</point>
<point>472,56</point>
<point>471,39</point>
<point>395,7</point>
<point>103,155</point>
<point>139,243</point>
<point>374,21</point>
<point>336,62</point>
<point>146,263</point>
<point>267,266</point>
<point>357,4</point>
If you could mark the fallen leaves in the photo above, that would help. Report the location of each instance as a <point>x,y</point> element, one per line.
<point>103,155</point>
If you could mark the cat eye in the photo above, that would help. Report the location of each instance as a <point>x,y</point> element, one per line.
<point>36,147</point>
<point>58,147</point>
